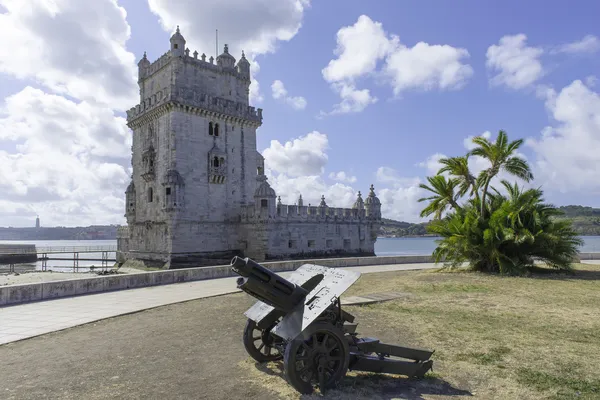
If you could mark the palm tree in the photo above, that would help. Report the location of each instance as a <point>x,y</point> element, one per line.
<point>444,195</point>
<point>501,157</point>
<point>459,167</point>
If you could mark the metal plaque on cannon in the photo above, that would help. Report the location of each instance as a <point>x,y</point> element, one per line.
<point>335,282</point>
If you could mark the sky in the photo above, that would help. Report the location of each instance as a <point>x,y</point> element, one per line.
<point>354,93</point>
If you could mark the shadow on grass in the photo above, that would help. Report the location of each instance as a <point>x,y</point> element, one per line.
<point>358,385</point>
<point>577,274</point>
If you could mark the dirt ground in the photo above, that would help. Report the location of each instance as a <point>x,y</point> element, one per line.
<point>189,350</point>
<point>494,338</point>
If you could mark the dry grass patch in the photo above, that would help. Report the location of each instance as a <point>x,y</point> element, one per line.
<point>495,337</point>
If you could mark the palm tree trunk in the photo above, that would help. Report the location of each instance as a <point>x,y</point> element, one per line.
<point>484,194</point>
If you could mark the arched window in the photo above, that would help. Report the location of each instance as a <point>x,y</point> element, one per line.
<point>150,195</point>
<point>222,161</point>
<point>210,128</point>
<point>216,129</point>
<point>216,162</point>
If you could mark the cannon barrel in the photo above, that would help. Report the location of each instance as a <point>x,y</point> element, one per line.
<point>266,285</point>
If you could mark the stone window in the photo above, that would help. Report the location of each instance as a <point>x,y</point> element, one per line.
<point>264,203</point>
<point>347,244</point>
<point>175,46</point>
<point>216,129</point>
<point>217,166</point>
<point>311,243</point>
<point>210,128</point>
<point>150,195</point>
<point>329,243</point>
<point>168,191</point>
<point>292,244</point>
<point>148,158</point>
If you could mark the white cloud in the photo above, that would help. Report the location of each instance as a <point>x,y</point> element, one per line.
<point>297,167</point>
<point>255,26</point>
<point>71,47</point>
<point>279,92</point>
<point>516,65</point>
<point>361,46</point>
<point>341,176</point>
<point>69,160</point>
<point>305,155</point>
<point>432,163</point>
<point>588,44</point>
<point>427,67</point>
<point>567,156</point>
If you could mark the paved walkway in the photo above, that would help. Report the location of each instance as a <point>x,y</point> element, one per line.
<point>32,319</point>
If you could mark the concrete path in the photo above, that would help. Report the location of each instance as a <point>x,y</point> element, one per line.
<point>33,319</point>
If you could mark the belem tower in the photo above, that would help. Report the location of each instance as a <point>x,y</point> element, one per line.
<point>198,193</point>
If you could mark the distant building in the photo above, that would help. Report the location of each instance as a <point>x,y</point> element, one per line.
<point>37,221</point>
<point>198,193</point>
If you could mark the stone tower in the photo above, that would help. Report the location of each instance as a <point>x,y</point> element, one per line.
<point>194,157</point>
<point>199,194</point>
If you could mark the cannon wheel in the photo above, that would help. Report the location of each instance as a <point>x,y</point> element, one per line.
<point>259,343</point>
<point>318,356</point>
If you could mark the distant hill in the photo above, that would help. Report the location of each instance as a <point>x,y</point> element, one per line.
<point>586,221</point>
<point>391,228</point>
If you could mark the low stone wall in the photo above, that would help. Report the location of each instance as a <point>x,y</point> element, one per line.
<point>14,294</point>
<point>589,256</point>
<point>17,253</point>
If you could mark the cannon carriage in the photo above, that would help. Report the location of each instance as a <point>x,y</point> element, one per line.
<point>301,321</point>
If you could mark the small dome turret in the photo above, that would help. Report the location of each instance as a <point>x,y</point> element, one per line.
<point>359,204</point>
<point>144,62</point>
<point>226,60</point>
<point>264,190</point>
<point>243,66</point>
<point>177,43</point>
<point>372,199</point>
<point>130,188</point>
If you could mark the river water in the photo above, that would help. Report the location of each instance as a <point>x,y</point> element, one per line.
<point>383,247</point>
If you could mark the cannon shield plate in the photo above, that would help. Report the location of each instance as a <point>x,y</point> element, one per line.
<point>334,284</point>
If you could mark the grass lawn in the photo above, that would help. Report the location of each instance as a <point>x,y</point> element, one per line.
<point>494,337</point>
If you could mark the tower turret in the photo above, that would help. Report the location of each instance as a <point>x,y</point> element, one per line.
<point>359,204</point>
<point>243,66</point>
<point>143,66</point>
<point>264,197</point>
<point>373,205</point>
<point>226,60</point>
<point>177,44</point>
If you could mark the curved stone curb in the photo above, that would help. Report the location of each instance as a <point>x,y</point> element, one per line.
<point>15,294</point>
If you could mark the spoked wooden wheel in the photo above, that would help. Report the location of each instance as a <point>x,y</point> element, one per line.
<point>259,343</point>
<point>318,357</point>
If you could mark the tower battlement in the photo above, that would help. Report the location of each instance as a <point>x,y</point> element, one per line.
<point>196,101</point>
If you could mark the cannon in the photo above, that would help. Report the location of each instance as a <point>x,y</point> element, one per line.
<point>301,321</point>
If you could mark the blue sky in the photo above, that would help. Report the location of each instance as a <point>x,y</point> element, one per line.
<point>387,143</point>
